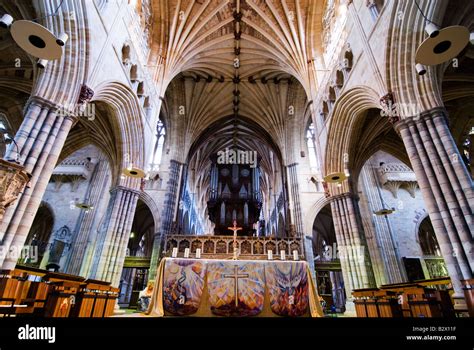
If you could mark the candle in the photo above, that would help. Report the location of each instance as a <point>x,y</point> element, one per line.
<point>282,255</point>
<point>186,252</point>
<point>174,254</point>
<point>270,254</point>
<point>295,255</point>
<point>198,253</point>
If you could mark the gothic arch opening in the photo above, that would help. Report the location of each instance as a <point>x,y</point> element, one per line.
<point>233,172</point>
<point>391,205</point>
<point>426,235</point>
<point>186,229</point>
<point>281,226</point>
<point>329,279</point>
<point>432,258</point>
<point>38,239</point>
<point>137,261</point>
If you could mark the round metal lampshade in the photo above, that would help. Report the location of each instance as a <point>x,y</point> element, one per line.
<point>36,40</point>
<point>335,177</point>
<point>443,47</point>
<point>384,212</point>
<point>134,172</point>
<point>84,206</point>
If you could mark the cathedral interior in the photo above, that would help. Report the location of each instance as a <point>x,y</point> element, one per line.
<point>140,136</point>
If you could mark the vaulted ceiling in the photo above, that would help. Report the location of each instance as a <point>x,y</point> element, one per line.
<point>200,36</point>
<point>17,72</point>
<point>236,58</point>
<point>236,68</point>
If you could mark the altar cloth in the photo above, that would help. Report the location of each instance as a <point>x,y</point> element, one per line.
<point>234,288</point>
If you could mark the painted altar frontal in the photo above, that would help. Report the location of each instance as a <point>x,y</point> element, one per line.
<point>234,288</point>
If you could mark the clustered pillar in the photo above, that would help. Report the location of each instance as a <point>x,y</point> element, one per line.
<point>37,146</point>
<point>114,235</point>
<point>447,189</point>
<point>84,239</point>
<point>167,214</point>
<point>351,243</point>
<point>295,193</point>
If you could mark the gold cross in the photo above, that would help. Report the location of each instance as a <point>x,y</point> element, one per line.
<point>236,276</point>
<point>235,229</point>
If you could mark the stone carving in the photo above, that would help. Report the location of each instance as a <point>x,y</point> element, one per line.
<point>397,175</point>
<point>12,181</point>
<point>436,268</point>
<point>62,239</point>
<point>389,109</point>
<point>85,95</point>
<point>147,18</point>
<point>328,21</point>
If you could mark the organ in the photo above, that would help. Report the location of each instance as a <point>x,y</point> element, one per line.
<point>235,193</point>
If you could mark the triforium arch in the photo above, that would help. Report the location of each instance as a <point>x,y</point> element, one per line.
<point>345,118</point>
<point>127,122</point>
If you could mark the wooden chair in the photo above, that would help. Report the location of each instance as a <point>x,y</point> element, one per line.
<point>468,287</point>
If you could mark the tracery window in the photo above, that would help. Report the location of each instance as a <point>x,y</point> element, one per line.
<point>5,134</point>
<point>375,6</point>
<point>159,144</point>
<point>467,148</point>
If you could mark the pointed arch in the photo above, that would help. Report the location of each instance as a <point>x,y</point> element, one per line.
<point>127,121</point>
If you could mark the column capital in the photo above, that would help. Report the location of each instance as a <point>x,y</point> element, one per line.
<point>343,196</point>
<point>124,189</point>
<point>42,103</point>
<point>438,112</point>
<point>61,110</point>
<point>177,162</point>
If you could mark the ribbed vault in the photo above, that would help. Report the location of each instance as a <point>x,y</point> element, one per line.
<point>199,36</point>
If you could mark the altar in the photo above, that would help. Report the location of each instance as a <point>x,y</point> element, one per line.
<point>234,288</point>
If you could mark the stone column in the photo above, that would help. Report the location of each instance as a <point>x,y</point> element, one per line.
<point>113,237</point>
<point>39,142</point>
<point>352,247</point>
<point>447,189</point>
<point>86,221</point>
<point>337,290</point>
<point>295,194</point>
<point>383,241</point>
<point>214,181</point>
<point>471,154</point>
<point>167,215</point>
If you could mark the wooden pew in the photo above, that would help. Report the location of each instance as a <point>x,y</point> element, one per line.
<point>12,290</point>
<point>111,301</point>
<point>364,302</point>
<point>9,290</point>
<point>424,298</point>
<point>468,287</point>
<point>95,299</point>
<point>373,302</point>
<point>387,304</point>
<point>431,303</point>
<point>35,298</point>
<point>28,291</point>
<point>63,293</point>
